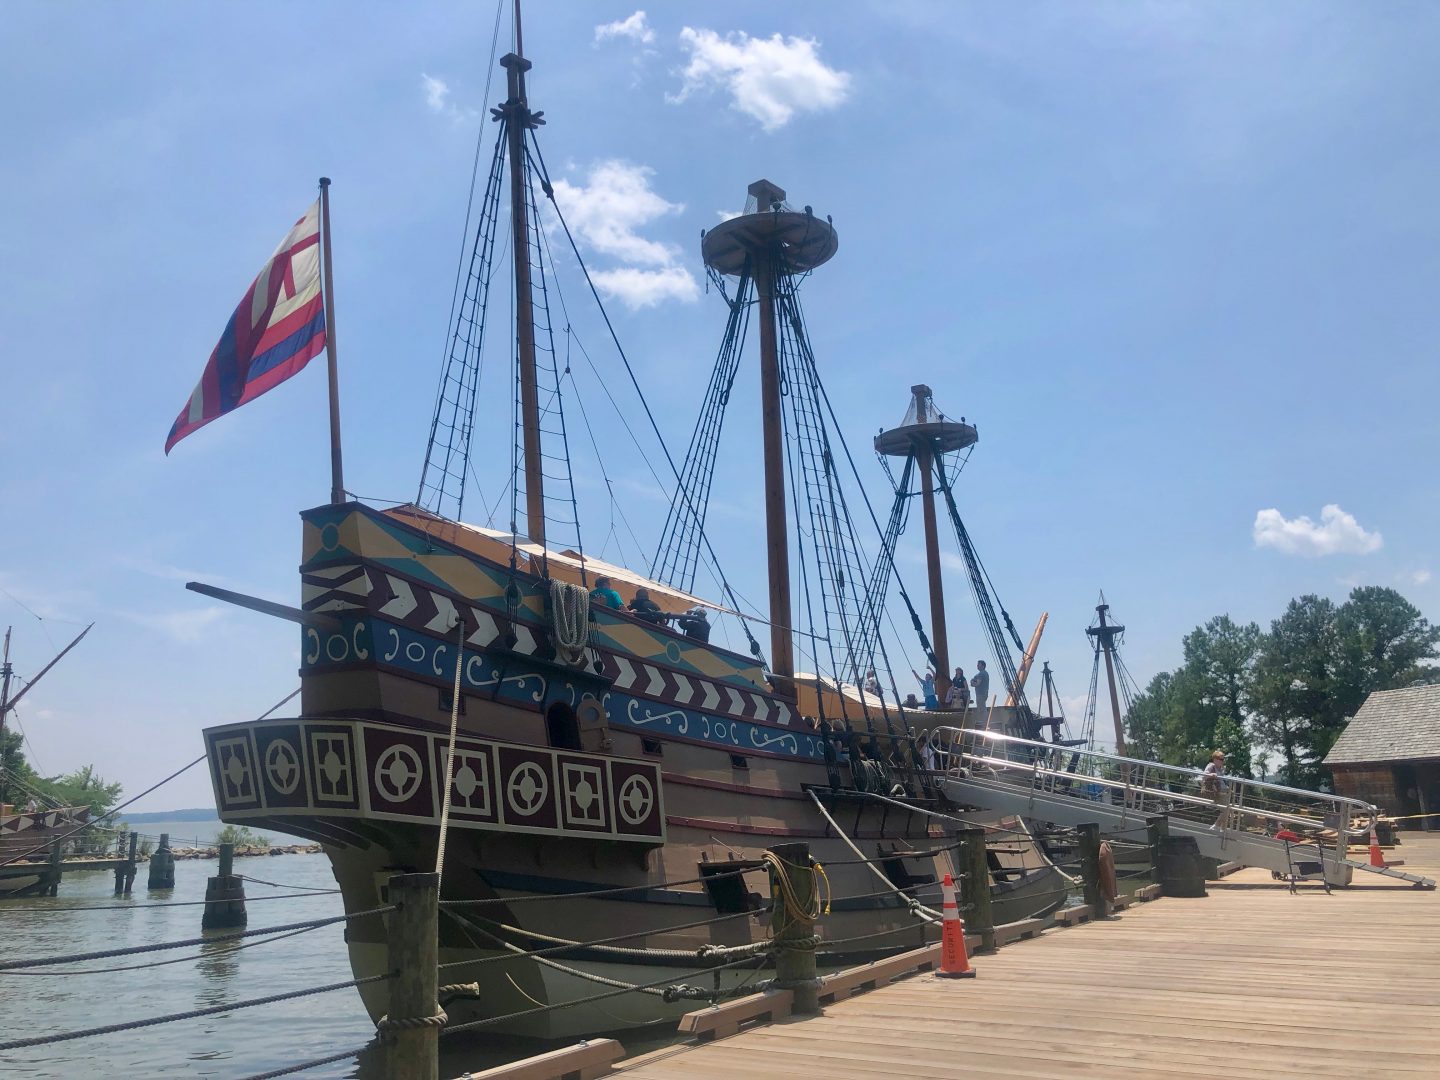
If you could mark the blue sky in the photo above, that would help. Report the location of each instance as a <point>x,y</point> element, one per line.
<point>1178,261</point>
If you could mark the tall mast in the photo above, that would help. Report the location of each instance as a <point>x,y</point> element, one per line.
<point>927,437</point>
<point>939,639</point>
<point>518,120</point>
<point>5,672</point>
<point>773,243</point>
<point>1106,633</point>
<point>337,470</point>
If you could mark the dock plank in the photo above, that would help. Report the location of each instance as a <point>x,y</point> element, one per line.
<point>1250,982</point>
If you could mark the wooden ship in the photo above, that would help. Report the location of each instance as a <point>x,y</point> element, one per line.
<point>593,749</point>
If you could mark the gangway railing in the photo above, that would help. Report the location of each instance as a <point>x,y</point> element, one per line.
<point>1146,787</point>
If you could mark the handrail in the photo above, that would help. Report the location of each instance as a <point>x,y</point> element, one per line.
<point>1137,778</point>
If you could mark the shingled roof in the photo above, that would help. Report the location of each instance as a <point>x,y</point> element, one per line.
<point>1392,725</point>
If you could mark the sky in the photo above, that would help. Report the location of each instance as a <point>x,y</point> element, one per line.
<point>1176,261</point>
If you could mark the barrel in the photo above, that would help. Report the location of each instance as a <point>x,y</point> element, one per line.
<point>1182,869</point>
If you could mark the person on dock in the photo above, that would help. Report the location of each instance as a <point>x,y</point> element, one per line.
<point>646,609</point>
<point>694,624</point>
<point>605,595</point>
<point>927,687</point>
<point>1213,786</point>
<point>981,684</point>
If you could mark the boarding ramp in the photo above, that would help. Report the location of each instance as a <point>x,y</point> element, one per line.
<point>1070,786</point>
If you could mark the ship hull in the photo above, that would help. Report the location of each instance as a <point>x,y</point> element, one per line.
<point>644,762</point>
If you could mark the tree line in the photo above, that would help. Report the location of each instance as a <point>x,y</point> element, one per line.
<point>1288,691</point>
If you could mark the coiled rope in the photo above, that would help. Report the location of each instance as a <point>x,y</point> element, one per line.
<point>570,614</point>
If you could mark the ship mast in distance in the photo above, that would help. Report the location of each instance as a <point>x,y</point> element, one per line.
<point>927,435</point>
<point>1106,635</point>
<point>772,243</point>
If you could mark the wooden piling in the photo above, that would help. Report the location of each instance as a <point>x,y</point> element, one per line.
<point>794,932</point>
<point>224,895</point>
<point>974,870</point>
<point>125,872</point>
<point>162,866</point>
<point>56,869</point>
<point>1088,846</point>
<point>411,1028</point>
<point>1157,831</point>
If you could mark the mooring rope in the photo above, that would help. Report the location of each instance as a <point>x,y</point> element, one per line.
<point>916,908</point>
<point>160,946</point>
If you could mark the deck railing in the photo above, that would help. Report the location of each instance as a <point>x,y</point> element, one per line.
<point>1146,787</point>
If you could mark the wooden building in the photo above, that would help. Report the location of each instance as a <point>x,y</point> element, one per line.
<point>1389,754</point>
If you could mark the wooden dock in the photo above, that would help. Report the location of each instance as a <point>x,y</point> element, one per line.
<point>1249,982</point>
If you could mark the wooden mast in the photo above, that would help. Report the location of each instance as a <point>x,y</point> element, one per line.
<point>771,243</point>
<point>1105,634</point>
<point>939,639</point>
<point>518,119</point>
<point>777,538</point>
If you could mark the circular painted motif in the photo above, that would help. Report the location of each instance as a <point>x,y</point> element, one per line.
<point>397,773</point>
<point>330,536</point>
<point>637,797</point>
<point>282,766</point>
<point>527,789</point>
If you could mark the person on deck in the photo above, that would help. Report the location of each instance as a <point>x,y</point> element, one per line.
<point>872,684</point>
<point>927,687</point>
<point>981,684</point>
<point>958,695</point>
<point>695,624</point>
<point>605,595</point>
<point>911,702</point>
<point>646,609</point>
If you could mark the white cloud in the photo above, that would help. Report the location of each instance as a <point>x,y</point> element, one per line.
<point>606,212</point>
<point>1421,577</point>
<point>768,79</point>
<point>1337,533</point>
<point>437,93</point>
<point>636,28</point>
<point>637,288</point>
<point>438,100</point>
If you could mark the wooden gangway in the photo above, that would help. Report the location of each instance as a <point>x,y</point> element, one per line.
<point>1250,982</point>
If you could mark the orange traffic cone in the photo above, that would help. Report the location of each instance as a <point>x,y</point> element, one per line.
<point>954,963</point>
<point>1376,858</point>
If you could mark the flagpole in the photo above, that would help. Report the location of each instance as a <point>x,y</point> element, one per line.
<point>337,473</point>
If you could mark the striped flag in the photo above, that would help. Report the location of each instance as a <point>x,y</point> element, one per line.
<point>278,327</point>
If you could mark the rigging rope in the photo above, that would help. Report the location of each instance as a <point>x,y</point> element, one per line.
<point>450,747</point>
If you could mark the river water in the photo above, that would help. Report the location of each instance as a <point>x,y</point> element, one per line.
<point>85,916</point>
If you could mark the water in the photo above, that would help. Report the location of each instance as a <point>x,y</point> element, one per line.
<point>228,1044</point>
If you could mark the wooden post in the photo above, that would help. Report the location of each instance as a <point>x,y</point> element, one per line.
<point>413,1049</point>
<point>224,895</point>
<point>1088,843</point>
<point>974,868</point>
<point>162,866</point>
<point>1157,831</point>
<point>57,870</point>
<point>130,863</point>
<point>794,964</point>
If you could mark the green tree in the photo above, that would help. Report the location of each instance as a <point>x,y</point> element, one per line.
<point>1385,643</point>
<point>1145,723</point>
<point>84,787</point>
<point>241,837</point>
<point>1220,661</point>
<point>1297,690</point>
